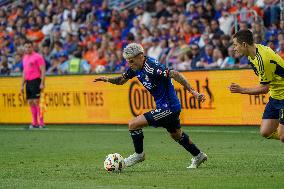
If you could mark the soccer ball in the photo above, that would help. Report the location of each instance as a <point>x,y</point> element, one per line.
<point>114,163</point>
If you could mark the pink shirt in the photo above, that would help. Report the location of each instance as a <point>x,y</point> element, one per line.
<point>31,64</point>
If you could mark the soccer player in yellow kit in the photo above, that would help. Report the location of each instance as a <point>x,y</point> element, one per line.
<point>269,67</point>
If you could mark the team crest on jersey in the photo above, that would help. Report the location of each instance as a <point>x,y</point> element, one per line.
<point>159,72</point>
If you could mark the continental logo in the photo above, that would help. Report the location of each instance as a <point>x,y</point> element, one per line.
<point>141,100</point>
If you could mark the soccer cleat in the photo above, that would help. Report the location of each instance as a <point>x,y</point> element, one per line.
<point>134,158</point>
<point>42,127</point>
<point>197,160</point>
<point>33,126</point>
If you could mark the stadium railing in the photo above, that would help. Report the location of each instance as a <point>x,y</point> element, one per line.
<point>256,17</point>
<point>125,4</point>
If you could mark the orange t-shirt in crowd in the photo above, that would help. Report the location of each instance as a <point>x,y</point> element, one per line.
<point>102,61</point>
<point>91,57</point>
<point>13,16</point>
<point>38,35</point>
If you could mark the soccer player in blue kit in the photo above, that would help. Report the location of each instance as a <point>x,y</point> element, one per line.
<point>156,78</point>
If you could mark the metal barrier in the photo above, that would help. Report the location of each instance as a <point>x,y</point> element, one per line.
<point>124,4</point>
<point>253,13</point>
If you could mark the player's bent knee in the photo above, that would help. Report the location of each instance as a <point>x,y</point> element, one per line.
<point>265,134</point>
<point>132,125</point>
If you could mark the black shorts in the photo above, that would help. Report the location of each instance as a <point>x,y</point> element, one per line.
<point>274,109</point>
<point>33,88</point>
<point>163,118</point>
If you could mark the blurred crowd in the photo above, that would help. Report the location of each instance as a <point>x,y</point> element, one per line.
<point>183,34</point>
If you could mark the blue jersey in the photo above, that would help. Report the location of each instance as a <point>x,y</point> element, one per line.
<point>155,78</point>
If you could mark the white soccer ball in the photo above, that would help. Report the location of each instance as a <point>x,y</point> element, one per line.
<point>114,163</point>
<point>100,69</point>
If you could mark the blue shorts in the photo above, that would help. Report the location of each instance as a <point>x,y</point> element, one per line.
<point>274,110</point>
<point>163,118</point>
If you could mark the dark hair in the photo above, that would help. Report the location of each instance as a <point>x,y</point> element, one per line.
<point>77,54</point>
<point>58,43</point>
<point>244,36</point>
<point>27,41</point>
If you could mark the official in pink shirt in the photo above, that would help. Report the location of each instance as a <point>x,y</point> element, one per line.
<point>34,82</point>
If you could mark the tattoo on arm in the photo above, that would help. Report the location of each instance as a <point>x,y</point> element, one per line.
<point>180,79</point>
<point>119,80</point>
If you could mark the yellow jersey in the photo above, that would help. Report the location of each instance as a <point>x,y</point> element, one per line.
<point>269,67</point>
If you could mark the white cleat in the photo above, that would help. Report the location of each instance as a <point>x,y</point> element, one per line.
<point>134,158</point>
<point>197,160</point>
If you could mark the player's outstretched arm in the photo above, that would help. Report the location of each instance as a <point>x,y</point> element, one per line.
<point>260,89</point>
<point>119,80</point>
<point>182,80</point>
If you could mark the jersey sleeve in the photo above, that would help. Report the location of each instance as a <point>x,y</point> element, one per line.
<point>129,74</point>
<point>41,61</point>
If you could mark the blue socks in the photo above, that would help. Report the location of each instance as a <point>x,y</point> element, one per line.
<point>137,138</point>
<point>189,146</point>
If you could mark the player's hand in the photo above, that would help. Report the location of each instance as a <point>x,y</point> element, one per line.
<point>200,97</point>
<point>102,78</point>
<point>235,88</point>
<point>41,86</point>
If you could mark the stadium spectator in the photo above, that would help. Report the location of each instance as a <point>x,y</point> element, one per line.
<point>5,68</point>
<point>196,56</point>
<point>184,57</point>
<point>243,61</point>
<point>161,10</point>
<point>47,27</point>
<point>113,64</point>
<point>218,60</point>
<point>230,61</point>
<point>226,22</point>
<point>206,58</point>
<point>155,50</point>
<point>215,28</point>
<point>75,65</point>
<point>75,23</point>
<point>68,26</point>
<point>100,62</point>
<point>34,81</point>
<point>91,53</point>
<point>18,64</point>
<point>35,34</point>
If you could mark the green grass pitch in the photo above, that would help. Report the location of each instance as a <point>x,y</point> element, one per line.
<point>72,157</point>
